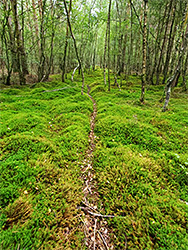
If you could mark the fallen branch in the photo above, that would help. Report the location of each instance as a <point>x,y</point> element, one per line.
<point>95,214</point>
<point>72,78</point>
<point>103,240</point>
<point>92,208</point>
<point>94,233</point>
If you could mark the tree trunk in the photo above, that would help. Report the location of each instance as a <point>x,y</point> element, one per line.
<point>66,44</point>
<point>130,55</point>
<point>109,11</point>
<point>144,59</point>
<point>52,42</point>
<point>75,46</point>
<point>104,58</point>
<point>42,59</point>
<point>22,61</point>
<point>158,71</point>
<point>158,42</point>
<point>8,64</point>
<point>174,79</point>
<point>170,45</point>
<point>36,24</point>
<point>184,72</point>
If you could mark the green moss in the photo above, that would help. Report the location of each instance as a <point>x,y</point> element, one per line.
<point>140,164</point>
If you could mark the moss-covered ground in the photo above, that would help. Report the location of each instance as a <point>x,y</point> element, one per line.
<point>140,163</point>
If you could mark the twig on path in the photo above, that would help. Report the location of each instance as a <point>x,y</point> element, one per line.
<point>94,233</point>
<point>95,214</point>
<point>85,227</point>
<point>85,203</point>
<point>125,243</point>
<point>103,240</point>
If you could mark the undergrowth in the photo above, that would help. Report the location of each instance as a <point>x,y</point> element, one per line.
<point>43,136</point>
<point>140,164</point>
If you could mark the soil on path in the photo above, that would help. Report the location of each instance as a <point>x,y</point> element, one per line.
<point>97,234</point>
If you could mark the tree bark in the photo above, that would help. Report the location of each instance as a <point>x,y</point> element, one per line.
<point>109,12</point>
<point>184,72</point>
<point>170,45</point>
<point>104,58</point>
<point>158,71</point>
<point>66,44</point>
<point>52,42</point>
<point>144,59</point>
<point>42,58</point>
<point>174,79</point>
<point>21,55</point>
<point>75,46</point>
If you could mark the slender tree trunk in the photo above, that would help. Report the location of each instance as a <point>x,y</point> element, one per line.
<point>158,71</point>
<point>120,41</point>
<point>158,42</point>
<point>109,11</point>
<point>130,55</point>
<point>104,58</point>
<point>144,59</point>
<point>94,53</point>
<point>170,45</point>
<point>184,72</point>
<point>8,64</point>
<point>123,53</point>
<point>36,24</point>
<point>42,58</point>
<point>11,41</point>
<point>52,42</point>
<point>172,81</point>
<point>66,44</point>
<point>75,46</point>
<point>22,62</point>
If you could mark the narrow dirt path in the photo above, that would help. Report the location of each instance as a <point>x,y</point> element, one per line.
<point>95,227</point>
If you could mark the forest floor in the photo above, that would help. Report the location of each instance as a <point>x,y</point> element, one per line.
<point>57,186</point>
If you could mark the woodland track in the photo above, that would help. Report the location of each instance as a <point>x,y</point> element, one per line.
<point>97,233</point>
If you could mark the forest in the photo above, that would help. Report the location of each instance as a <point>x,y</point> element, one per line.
<point>94,124</point>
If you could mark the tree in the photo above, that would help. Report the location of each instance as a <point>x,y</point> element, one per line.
<point>75,46</point>
<point>66,44</point>
<point>144,47</point>
<point>172,81</point>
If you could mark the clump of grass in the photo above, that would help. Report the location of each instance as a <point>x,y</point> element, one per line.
<point>18,212</point>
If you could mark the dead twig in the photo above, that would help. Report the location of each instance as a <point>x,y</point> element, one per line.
<point>103,240</point>
<point>95,234</point>
<point>95,214</point>
<point>87,205</point>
